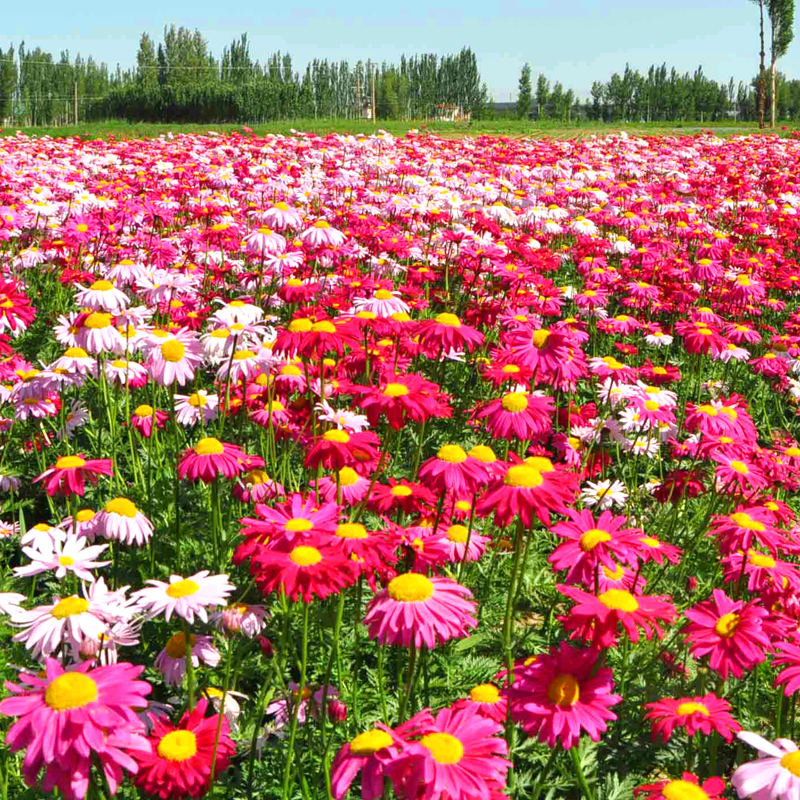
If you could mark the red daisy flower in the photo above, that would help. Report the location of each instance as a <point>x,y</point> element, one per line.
<point>561,694</point>
<point>410,497</point>
<point>400,398</point>
<point>704,714</point>
<point>598,617</point>
<point>788,657</point>
<point>70,473</point>
<point>209,458</point>
<point>304,571</point>
<point>729,631</point>
<point>337,448</point>
<point>446,332</point>
<point>518,415</point>
<point>688,786</point>
<point>180,764</point>
<point>452,470</point>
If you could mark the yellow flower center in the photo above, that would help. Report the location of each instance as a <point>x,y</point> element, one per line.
<point>564,691</point>
<point>351,530</point>
<point>97,321</point>
<point>740,467</point>
<point>121,506</point>
<point>209,446</point>
<point>515,402</point>
<point>444,748</point>
<point>760,560</point>
<point>76,352</point>
<point>395,390</point>
<point>458,534</point>
<point>66,561</point>
<point>173,351</point>
<point>305,556</point>
<point>744,520</point>
<point>651,405</point>
<point>485,693</point>
<point>183,588</point>
<point>348,476</point>
<point>198,400</point>
<point>693,708</point>
<point>483,454</point>
<point>791,761</point>
<point>726,625</point>
<point>302,325</point>
<point>323,327</point>
<point>523,476</point>
<point>70,690</point>
<point>369,742</point>
<point>336,435</point>
<point>298,525</point>
<point>410,588</point>
<point>382,294</point>
<point>102,286</point>
<point>592,538</point>
<point>792,451</point>
<point>84,515</point>
<point>401,491</point>
<point>619,600</point>
<point>176,646</point>
<point>70,606</point>
<point>683,790</point>
<point>178,746</point>
<point>321,223</point>
<point>243,355</point>
<point>70,462</point>
<point>143,411</point>
<point>452,453</point>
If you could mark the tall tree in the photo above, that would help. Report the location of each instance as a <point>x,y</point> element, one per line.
<point>542,95</point>
<point>761,89</point>
<point>524,97</point>
<point>781,19</point>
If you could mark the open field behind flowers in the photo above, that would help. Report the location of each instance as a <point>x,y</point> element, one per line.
<point>427,468</point>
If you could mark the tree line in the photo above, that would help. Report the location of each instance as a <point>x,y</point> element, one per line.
<point>179,79</point>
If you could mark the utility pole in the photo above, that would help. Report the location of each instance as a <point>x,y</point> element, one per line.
<point>75,99</point>
<point>374,118</point>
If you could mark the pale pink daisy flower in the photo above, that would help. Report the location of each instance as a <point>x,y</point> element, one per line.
<point>65,331</point>
<point>383,303</point>
<point>66,620</point>
<point>35,408</point>
<point>239,312</point>
<point>8,529</point>
<point>249,619</point>
<point>184,596</point>
<point>171,661</point>
<point>190,409</point>
<point>416,610</point>
<point>263,241</point>
<point>73,555</point>
<point>106,647</point>
<point>321,234</point>
<point>121,521</point>
<point>76,417</point>
<point>102,295</point>
<point>775,777</point>
<point>122,372</point>
<point>75,359</point>
<point>175,360</point>
<point>10,602</point>
<point>282,216</point>
<point>84,523</point>
<point>243,364</point>
<point>41,536</point>
<point>98,334</point>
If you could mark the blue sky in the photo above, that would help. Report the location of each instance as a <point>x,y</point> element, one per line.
<point>575,43</point>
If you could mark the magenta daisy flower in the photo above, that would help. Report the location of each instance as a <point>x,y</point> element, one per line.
<point>70,473</point>
<point>459,756</point>
<point>729,631</point>
<point>688,787</point>
<point>704,714</point>
<point>369,753</point>
<point>489,700</point>
<point>417,610</point>
<point>452,470</point>
<point>518,415</point>
<point>560,695</point>
<point>171,661</point>
<point>184,596</point>
<point>68,714</point>
<point>209,458</point>
<point>176,359</point>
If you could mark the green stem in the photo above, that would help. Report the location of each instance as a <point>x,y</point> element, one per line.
<point>576,763</point>
<point>287,771</point>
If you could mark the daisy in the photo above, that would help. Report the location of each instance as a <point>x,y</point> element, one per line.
<point>175,360</point>
<point>180,762</point>
<point>75,359</point>
<point>369,753</point>
<point>729,631</point>
<point>240,617</point>
<point>383,303</point>
<point>102,295</point>
<point>10,602</point>
<point>450,545</point>
<point>683,788</point>
<point>447,332</point>
<point>704,714</point>
<point>561,694</point>
<point>518,415</point>
<point>451,470</point>
<point>489,700</point>
<point>774,777</point>
<point>321,234</point>
<point>121,521</point>
<point>71,555</point>
<point>66,716</point>
<point>184,596</point>
<point>604,494</point>
<point>282,216</point>
<point>145,417</point>
<point>97,334</point>
<point>200,405</point>
<point>459,755</point>
<point>337,448</point>
<point>416,610</point>
<point>209,458</point>
<point>171,661</point>
<point>70,473</point>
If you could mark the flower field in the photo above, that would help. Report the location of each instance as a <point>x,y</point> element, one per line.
<point>411,468</point>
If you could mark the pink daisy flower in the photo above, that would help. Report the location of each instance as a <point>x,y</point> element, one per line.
<point>518,415</point>
<point>171,661</point>
<point>446,332</point>
<point>184,596</point>
<point>452,470</point>
<point>704,714</point>
<point>69,474</point>
<point>209,458</point>
<point>561,694</point>
<point>369,753</point>
<point>459,756</point>
<point>145,417</point>
<point>70,556</point>
<point>121,521</point>
<point>450,545</point>
<point>729,631</point>
<point>70,713</point>
<point>489,700</point>
<point>351,487</point>
<point>176,359</point>
<point>688,786</point>
<point>775,777</point>
<point>416,610</point>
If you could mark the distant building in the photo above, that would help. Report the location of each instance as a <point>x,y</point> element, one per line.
<point>447,112</point>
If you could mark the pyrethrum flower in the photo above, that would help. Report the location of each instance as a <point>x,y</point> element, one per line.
<point>69,474</point>
<point>368,753</point>
<point>774,777</point>
<point>417,610</point>
<point>121,521</point>
<point>697,714</point>
<point>184,596</point>
<point>211,457</point>
<point>72,555</point>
